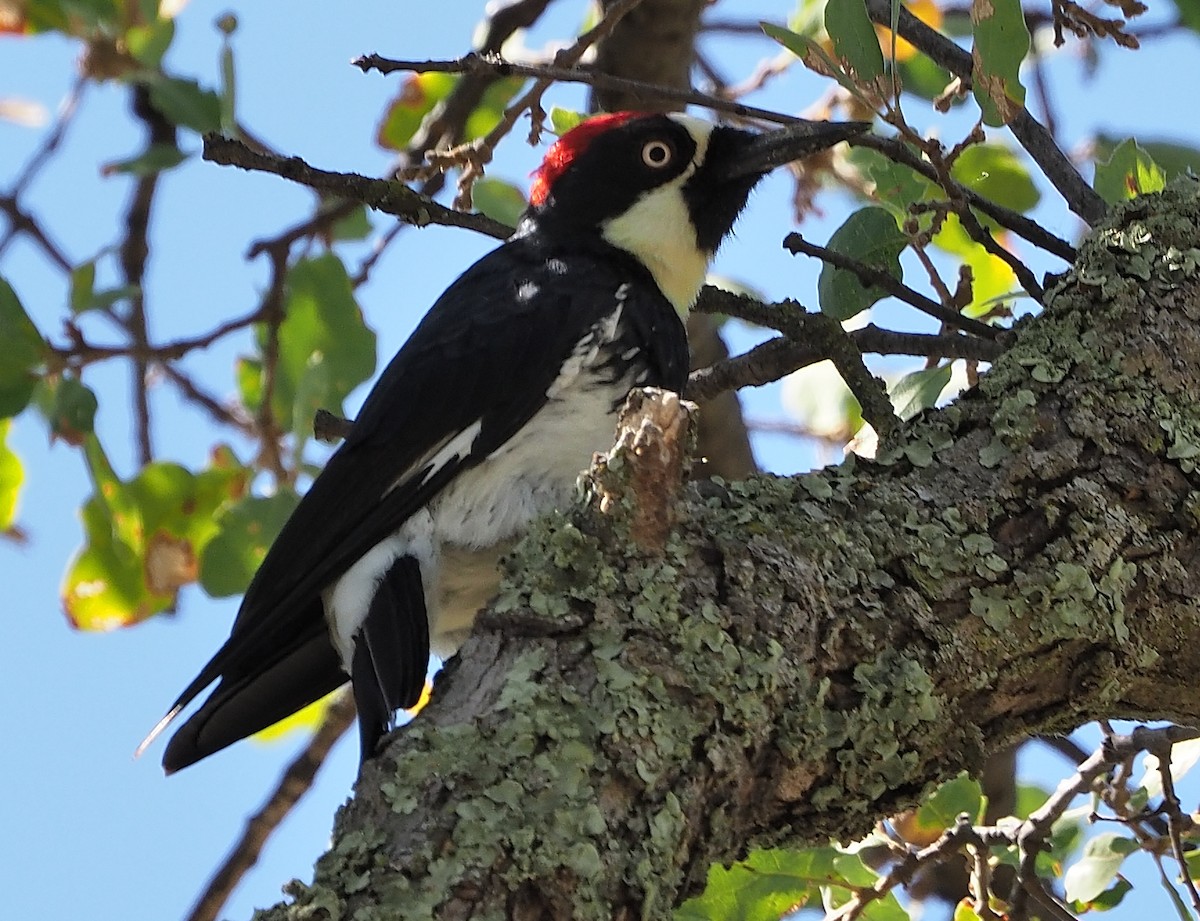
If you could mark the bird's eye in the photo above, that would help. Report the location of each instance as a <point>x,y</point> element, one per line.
<point>657,154</point>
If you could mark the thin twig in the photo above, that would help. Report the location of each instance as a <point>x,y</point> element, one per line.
<point>81,353</point>
<point>1032,834</point>
<point>294,783</point>
<point>649,92</point>
<point>22,222</point>
<point>220,413</point>
<point>984,238</point>
<point>66,115</point>
<point>273,315</point>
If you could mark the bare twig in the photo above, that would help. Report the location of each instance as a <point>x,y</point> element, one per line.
<point>475,156</point>
<point>218,411</point>
<point>473,64</point>
<point>272,310</point>
<point>294,783</point>
<point>1084,24</point>
<point>984,238</point>
<point>1029,836</point>
<point>21,222</point>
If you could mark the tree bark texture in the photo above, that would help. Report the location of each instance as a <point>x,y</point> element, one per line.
<point>810,653</point>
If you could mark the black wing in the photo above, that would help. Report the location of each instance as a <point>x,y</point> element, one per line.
<point>486,352</point>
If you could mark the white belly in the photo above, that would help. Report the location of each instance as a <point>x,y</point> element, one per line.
<point>460,537</point>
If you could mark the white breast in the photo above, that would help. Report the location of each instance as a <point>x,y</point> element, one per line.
<point>458,538</point>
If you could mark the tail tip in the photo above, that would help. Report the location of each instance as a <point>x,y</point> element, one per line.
<point>156,732</point>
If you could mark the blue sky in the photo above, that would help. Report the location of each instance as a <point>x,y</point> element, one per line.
<point>91,833</point>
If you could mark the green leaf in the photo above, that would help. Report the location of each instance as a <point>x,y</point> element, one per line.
<point>896,185</point>
<point>922,77</point>
<point>1189,14</point>
<point>1111,897</point>
<point>869,236</point>
<point>485,116</point>
<point>72,412</point>
<point>21,355</point>
<point>154,159</point>
<point>1001,43</point>
<point>1029,799</point>
<point>354,226</point>
<point>1184,756</point>
<point>1173,159</point>
<point>245,531</point>
<point>994,172</point>
<point>960,794</point>
<point>1102,858</point>
<point>143,538</point>
<point>322,325</point>
<point>248,372</point>
<point>84,295</point>
<point>563,120</point>
<point>993,278</point>
<point>814,57</point>
<point>104,586</point>
<point>502,201</point>
<point>185,103</point>
<point>150,42</point>
<point>11,477</point>
<point>766,886</point>
<point>1128,173</point>
<point>417,97</point>
<point>83,283</point>
<point>854,38</point>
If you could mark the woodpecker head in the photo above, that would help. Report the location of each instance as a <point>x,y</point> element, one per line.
<point>666,188</point>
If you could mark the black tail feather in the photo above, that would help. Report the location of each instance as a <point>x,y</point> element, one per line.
<point>391,652</point>
<point>244,704</point>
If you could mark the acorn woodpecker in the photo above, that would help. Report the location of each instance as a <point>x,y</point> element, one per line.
<point>483,421</point>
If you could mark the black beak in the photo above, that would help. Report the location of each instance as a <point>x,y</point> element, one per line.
<point>776,148</point>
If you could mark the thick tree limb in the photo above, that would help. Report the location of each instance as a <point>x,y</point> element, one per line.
<point>813,652</point>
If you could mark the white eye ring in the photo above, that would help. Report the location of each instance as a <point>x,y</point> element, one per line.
<point>657,154</point>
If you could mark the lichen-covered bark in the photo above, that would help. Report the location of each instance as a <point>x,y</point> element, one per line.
<point>811,653</point>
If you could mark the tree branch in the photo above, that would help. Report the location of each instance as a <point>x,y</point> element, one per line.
<point>870,276</point>
<point>387,196</point>
<point>646,93</point>
<point>897,150</point>
<point>1032,135</point>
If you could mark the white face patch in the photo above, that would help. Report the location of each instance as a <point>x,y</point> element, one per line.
<point>658,229</point>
